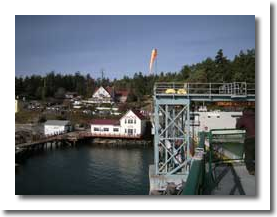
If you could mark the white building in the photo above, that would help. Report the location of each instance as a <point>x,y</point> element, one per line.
<point>206,121</point>
<point>70,95</point>
<point>132,124</point>
<point>52,127</point>
<point>103,95</point>
<point>121,95</point>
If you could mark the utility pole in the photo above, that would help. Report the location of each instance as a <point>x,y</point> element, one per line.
<point>102,75</point>
<point>44,89</point>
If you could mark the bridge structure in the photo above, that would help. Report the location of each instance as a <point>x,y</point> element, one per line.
<point>172,141</point>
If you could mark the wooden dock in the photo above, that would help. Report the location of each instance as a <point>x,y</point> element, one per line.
<point>66,139</point>
<point>56,140</point>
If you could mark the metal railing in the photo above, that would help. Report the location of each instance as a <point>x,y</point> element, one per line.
<point>225,146</point>
<point>205,89</point>
<point>203,179</point>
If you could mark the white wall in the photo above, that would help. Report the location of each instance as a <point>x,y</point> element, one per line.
<point>101,96</point>
<point>100,93</point>
<point>101,128</point>
<point>216,120</point>
<point>138,126</point>
<point>122,98</point>
<point>51,129</point>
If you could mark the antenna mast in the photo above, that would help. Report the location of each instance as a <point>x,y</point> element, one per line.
<point>102,76</point>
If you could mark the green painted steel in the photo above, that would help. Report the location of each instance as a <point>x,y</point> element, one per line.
<point>172,127</point>
<point>232,141</point>
<point>225,144</point>
<point>196,179</point>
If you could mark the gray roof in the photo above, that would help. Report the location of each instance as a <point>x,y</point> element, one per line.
<point>57,122</point>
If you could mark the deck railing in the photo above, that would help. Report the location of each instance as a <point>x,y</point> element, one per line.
<point>204,89</point>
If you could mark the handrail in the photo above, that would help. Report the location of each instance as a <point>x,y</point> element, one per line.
<point>234,89</point>
<point>228,156</point>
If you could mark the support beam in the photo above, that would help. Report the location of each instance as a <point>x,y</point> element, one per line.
<point>171,136</point>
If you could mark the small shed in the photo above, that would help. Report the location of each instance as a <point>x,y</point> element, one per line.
<point>52,127</point>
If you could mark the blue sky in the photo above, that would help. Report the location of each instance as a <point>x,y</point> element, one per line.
<point>121,45</point>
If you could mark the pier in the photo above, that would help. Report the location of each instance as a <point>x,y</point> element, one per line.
<point>70,139</point>
<point>174,155</point>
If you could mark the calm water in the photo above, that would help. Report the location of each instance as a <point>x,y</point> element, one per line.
<point>85,169</point>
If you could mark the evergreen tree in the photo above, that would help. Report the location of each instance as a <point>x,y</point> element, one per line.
<point>241,69</point>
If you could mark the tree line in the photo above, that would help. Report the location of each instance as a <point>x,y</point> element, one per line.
<point>217,69</point>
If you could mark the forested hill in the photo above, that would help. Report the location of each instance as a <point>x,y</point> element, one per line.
<point>217,69</point>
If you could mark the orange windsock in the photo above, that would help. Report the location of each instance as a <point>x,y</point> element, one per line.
<point>153,57</point>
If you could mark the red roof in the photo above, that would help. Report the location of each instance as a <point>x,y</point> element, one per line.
<point>137,113</point>
<point>105,122</point>
<point>122,92</point>
<point>108,89</point>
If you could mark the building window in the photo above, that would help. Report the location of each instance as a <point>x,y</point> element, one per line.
<point>134,131</point>
<point>130,131</point>
<point>135,121</point>
<point>130,121</point>
<point>125,121</point>
<point>125,130</point>
<point>106,129</point>
<point>96,129</point>
<point>115,129</point>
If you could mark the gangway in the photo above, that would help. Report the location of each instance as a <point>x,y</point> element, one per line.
<point>173,151</point>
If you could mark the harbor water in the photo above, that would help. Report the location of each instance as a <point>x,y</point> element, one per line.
<point>86,169</point>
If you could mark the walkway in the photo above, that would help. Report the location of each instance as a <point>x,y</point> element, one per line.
<point>236,91</point>
<point>233,179</point>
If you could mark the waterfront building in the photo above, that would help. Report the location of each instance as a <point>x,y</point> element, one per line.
<point>132,124</point>
<point>52,127</point>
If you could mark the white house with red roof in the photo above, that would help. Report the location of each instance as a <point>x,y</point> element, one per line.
<point>108,95</point>
<point>131,125</point>
<point>103,95</point>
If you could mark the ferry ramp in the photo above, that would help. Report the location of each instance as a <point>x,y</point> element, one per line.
<point>174,159</point>
<point>220,170</point>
